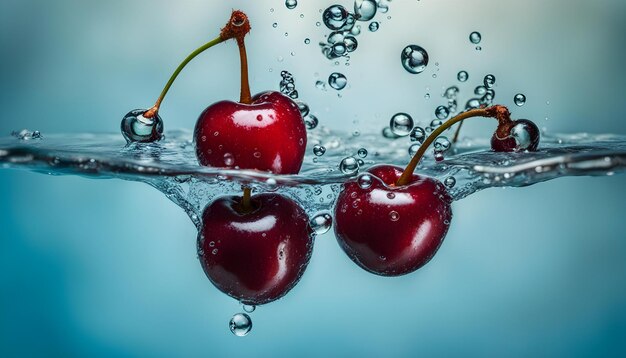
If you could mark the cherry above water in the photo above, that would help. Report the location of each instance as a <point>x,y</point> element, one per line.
<point>255,256</point>
<point>391,230</point>
<point>268,135</point>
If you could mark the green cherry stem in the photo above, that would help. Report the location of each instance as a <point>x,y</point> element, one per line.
<point>499,112</point>
<point>155,109</point>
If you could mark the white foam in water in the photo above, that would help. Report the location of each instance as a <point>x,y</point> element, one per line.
<point>171,165</point>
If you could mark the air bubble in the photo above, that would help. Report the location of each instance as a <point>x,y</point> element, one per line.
<point>475,37</point>
<point>349,165</point>
<point>401,124</point>
<point>489,81</point>
<point>414,59</point>
<point>249,308</point>
<point>311,122</point>
<point>365,9</point>
<point>362,153</point>
<point>303,107</point>
<point>307,41</point>
<point>321,223</point>
<point>450,182</point>
<point>335,17</point>
<point>394,216</point>
<point>413,149</point>
<point>319,150</point>
<point>374,26</point>
<point>462,76</point>
<point>291,4</point>
<point>240,324</point>
<point>442,112</point>
<point>365,181</point>
<point>520,99</point>
<point>337,81</point>
<point>442,144</point>
<point>137,128</point>
<point>417,135</point>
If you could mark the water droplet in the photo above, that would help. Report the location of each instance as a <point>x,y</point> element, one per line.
<point>337,81</point>
<point>311,122</point>
<point>365,181</point>
<point>335,17</point>
<point>362,153</point>
<point>462,76</point>
<point>394,216</point>
<point>520,99</point>
<point>321,223</point>
<point>320,85</point>
<point>249,308</point>
<point>137,128</point>
<point>489,81</point>
<point>349,165</point>
<point>383,6</point>
<point>319,150</point>
<point>365,9</point>
<point>475,37</point>
<point>413,149</point>
<point>442,144</point>
<point>480,90</point>
<point>229,160</point>
<point>275,25</point>
<point>307,41</point>
<point>401,124</point>
<point>291,4</point>
<point>442,112</point>
<point>450,182</point>
<point>303,107</point>
<point>435,123</point>
<point>417,135</point>
<point>451,92</point>
<point>374,26</point>
<point>350,43</point>
<point>240,324</point>
<point>414,59</point>
<point>472,103</point>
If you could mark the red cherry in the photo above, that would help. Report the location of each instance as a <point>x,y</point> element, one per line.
<point>391,230</point>
<point>516,136</point>
<point>258,256</point>
<point>267,134</point>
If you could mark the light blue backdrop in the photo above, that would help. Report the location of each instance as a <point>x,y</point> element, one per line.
<point>538,271</point>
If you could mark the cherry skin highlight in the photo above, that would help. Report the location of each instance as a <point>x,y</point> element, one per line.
<point>391,230</point>
<point>266,135</point>
<point>255,257</point>
<point>516,136</point>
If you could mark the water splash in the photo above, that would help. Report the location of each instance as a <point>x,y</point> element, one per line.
<point>171,165</point>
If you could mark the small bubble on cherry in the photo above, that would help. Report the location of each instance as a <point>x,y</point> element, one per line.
<point>393,216</point>
<point>489,81</point>
<point>137,128</point>
<point>321,223</point>
<point>475,37</point>
<point>291,4</point>
<point>442,112</point>
<point>401,124</point>
<point>240,324</point>
<point>337,81</point>
<point>519,99</point>
<point>365,9</point>
<point>374,26</point>
<point>449,182</point>
<point>349,165</point>
<point>417,135</point>
<point>462,76</point>
<point>248,308</point>
<point>311,122</point>
<point>319,150</point>
<point>365,181</point>
<point>414,59</point>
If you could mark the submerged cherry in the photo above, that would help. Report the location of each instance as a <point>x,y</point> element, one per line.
<point>390,229</point>
<point>255,252</point>
<point>265,132</point>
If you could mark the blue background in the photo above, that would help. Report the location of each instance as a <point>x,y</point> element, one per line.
<point>537,271</point>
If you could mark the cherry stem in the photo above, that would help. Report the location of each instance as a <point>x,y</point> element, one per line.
<point>155,109</point>
<point>244,96</point>
<point>246,202</point>
<point>499,112</point>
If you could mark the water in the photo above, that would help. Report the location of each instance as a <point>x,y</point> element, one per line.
<point>170,165</point>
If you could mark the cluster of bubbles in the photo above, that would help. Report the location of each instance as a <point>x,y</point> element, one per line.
<point>25,134</point>
<point>288,87</point>
<point>402,125</point>
<point>343,24</point>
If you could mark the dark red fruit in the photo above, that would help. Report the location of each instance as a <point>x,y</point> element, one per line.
<point>390,230</point>
<point>267,135</point>
<point>258,256</point>
<point>516,136</point>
